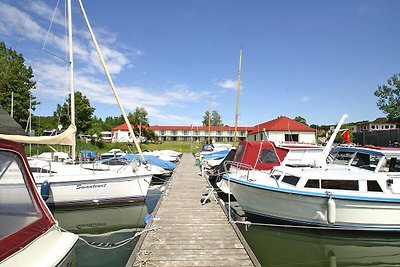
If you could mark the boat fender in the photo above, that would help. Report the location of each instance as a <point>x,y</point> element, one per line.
<point>331,210</point>
<point>332,259</point>
<point>45,190</point>
<point>147,218</point>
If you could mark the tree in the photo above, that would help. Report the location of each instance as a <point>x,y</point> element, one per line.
<point>215,119</point>
<point>139,119</point>
<point>83,113</point>
<point>389,98</point>
<point>16,79</point>
<point>300,119</point>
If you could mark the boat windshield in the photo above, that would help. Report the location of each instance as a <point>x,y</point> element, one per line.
<point>357,159</point>
<point>18,208</point>
<point>390,164</point>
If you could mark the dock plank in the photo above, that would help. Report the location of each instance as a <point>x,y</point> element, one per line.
<point>183,232</point>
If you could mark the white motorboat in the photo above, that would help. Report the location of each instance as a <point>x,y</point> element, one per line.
<point>265,155</point>
<point>113,153</point>
<point>29,235</point>
<point>358,190</point>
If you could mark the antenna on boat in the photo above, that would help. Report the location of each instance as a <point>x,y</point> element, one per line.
<point>110,81</point>
<point>237,98</point>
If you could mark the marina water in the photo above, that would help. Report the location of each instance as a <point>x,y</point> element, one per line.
<point>273,246</point>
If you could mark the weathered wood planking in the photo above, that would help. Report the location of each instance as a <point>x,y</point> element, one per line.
<point>187,232</point>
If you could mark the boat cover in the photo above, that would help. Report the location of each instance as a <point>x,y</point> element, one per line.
<point>261,155</point>
<point>23,214</point>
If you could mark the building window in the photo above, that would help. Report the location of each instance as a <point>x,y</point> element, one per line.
<point>185,132</point>
<point>292,137</point>
<point>219,132</point>
<point>162,132</point>
<point>173,132</point>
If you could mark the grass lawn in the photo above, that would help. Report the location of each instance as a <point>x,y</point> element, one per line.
<point>101,147</point>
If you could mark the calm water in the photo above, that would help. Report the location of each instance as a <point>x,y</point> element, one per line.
<point>273,246</point>
<point>295,247</point>
<point>106,224</point>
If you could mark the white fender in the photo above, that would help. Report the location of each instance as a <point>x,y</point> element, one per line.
<point>331,210</point>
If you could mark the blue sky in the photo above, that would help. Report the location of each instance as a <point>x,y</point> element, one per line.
<point>315,59</point>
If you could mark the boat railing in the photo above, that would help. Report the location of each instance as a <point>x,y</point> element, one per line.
<point>241,169</point>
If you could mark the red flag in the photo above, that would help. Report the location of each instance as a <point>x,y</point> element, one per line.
<point>346,136</point>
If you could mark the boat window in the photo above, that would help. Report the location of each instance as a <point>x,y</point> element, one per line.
<point>342,158</point>
<point>390,165</point>
<point>373,186</point>
<point>276,174</point>
<point>17,207</point>
<point>290,179</point>
<point>366,161</point>
<point>268,156</point>
<point>239,153</point>
<point>312,183</point>
<point>340,184</point>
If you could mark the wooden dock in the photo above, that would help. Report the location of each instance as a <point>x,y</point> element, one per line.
<point>183,232</point>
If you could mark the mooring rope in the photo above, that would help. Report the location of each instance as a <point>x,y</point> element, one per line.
<point>248,224</point>
<point>109,246</point>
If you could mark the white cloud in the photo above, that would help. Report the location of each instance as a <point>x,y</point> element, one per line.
<point>11,21</point>
<point>227,84</point>
<point>305,98</point>
<point>181,92</point>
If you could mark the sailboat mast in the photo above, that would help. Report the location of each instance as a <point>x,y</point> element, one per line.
<point>71,76</point>
<point>237,98</point>
<point>110,81</point>
<point>209,121</point>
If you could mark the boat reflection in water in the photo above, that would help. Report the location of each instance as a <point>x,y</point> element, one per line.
<point>275,246</point>
<point>107,226</point>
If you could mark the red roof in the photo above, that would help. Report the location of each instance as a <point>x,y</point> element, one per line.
<point>282,123</point>
<point>122,127</point>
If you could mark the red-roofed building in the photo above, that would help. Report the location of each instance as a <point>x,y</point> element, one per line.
<point>283,129</point>
<point>185,133</point>
<point>280,129</point>
<point>200,133</point>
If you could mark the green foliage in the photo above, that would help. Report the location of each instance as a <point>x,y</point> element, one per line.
<point>301,120</point>
<point>83,113</point>
<point>139,117</point>
<point>215,119</point>
<point>16,77</point>
<point>41,123</point>
<point>389,98</point>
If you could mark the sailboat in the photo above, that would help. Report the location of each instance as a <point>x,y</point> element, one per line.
<point>70,184</point>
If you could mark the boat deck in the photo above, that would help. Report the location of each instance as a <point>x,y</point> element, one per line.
<point>183,232</point>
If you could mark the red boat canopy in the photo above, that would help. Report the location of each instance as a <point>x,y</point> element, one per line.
<point>261,155</point>
<point>23,214</point>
